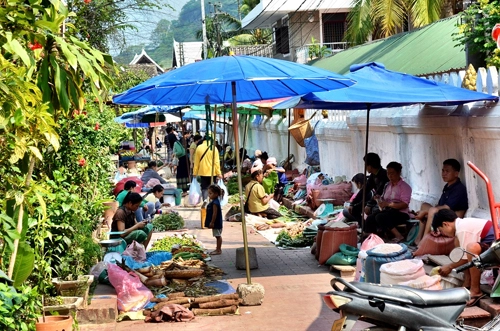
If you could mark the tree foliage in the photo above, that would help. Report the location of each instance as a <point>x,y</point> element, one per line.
<point>383,18</point>
<point>477,22</point>
<point>105,22</point>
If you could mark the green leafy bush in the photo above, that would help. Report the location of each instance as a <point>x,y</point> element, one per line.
<point>19,310</point>
<point>475,26</point>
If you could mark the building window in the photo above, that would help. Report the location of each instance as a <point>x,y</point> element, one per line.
<point>282,41</point>
<point>334,26</point>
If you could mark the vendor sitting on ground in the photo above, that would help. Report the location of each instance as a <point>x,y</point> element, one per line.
<point>124,221</point>
<point>151,172</point>
<point>279,170</point>
<point>142,212</point>
<point>229,157</point>
<point>375,182</point>
<point>246,163</point>
<point>153,197</point>
<point>132,169</point>
<point>257,199</point>
<point>454,197</point>
<point>475,236</point>
<point>353,212</point>
<point>392,205</point>
<point>120,174</point>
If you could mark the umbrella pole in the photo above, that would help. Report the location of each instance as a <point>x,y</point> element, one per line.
<point>289,123</point>
<point>215,150</point>
<point>364,170</point>
<point>240,185</point>
<point>224,127</point>
<point>246,131</point>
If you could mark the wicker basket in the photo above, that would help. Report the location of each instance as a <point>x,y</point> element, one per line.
<point>300,131</point>
<point>184,274</point>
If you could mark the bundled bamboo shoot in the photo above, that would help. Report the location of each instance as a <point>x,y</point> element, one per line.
<point>215,312</point>
<point>233,296</point>
<point>219,304</point>
<point>176,295</point>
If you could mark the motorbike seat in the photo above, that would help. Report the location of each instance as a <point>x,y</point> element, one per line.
<point>417,297</point>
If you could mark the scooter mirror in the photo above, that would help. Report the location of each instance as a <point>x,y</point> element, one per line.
<point>456,254</point>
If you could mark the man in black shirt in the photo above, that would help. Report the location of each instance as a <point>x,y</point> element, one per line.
<point>375,182</point>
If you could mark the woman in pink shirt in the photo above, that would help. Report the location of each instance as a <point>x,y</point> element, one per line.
<point>393,205</point>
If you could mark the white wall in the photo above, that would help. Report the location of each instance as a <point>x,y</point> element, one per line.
<point>418,137</point>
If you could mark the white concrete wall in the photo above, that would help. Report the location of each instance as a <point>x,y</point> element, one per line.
<point>418,137</point>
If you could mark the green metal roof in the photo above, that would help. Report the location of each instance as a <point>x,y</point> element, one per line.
<point>430,49</point>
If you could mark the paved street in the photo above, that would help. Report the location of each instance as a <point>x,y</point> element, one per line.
<point>293,282</point>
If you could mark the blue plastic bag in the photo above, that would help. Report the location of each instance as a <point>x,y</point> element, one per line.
<point>312,150</point>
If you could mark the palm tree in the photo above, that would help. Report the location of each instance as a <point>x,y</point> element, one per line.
<point>247,6</point>
<point>220,27</point>
<point>383,18</point>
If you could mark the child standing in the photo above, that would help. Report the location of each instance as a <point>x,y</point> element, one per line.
<point>213,219</point>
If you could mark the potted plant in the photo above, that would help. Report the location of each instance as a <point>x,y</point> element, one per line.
<point>62,305</point>
<point>72,280</point>
<point>51,323</point>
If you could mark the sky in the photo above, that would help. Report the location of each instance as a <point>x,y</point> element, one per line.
<point>146,24</point>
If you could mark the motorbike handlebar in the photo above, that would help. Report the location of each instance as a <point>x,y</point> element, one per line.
<point>464,267</point>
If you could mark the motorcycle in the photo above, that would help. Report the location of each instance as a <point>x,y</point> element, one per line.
<point>395,307</point>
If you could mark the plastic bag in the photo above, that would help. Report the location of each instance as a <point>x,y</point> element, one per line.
<point>131,294</point>
<point>312,150</point>
<point>194,192</point>
<point>370,242</point>
<point>347,256</point>
<point>225,199</point>
<point>136,251</point>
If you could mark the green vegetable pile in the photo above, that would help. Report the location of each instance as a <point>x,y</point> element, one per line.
<point>166,243</point>
<point>232,184</point>
<point>167,222</point>
<point>234,199</point>
<point>288,215</point>
<point>285,240</point>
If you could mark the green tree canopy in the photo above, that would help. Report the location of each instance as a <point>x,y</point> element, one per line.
<point>383,18</point>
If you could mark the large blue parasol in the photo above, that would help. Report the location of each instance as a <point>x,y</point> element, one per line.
<point>232,79</point>
<point>257,78</point>
<point>382,88</point>
<point>378,87</point>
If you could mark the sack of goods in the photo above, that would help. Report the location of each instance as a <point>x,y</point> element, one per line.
<point>394,273</point>
<point>380,255</point>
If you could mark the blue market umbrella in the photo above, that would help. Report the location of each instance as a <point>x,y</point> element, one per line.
<point>257,78</point>
<point>232,79</point>
<point>378,87</point>
<point>382,88</point>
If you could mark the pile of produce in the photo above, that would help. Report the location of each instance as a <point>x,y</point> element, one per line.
<point>188,253</point>
<point>297,235</point>
<point>167,243</point>
<point>178,272</point>
<point>288,215</point>
<point>232,184</point>
<point>165,222</point>
<point>234,198</point>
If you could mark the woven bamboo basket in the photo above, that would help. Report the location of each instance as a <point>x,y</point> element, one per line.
<point>300,131</point>
<point>184,274</point>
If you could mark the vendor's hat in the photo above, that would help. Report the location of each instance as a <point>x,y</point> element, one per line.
<point>272,160</point>
<point>228,148</point>
<point>258,153</point>
<point>257,165</point>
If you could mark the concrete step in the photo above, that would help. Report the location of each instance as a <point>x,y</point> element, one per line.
<point>102,309</point>
<point>491,305</point>
<point>475,316</point>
